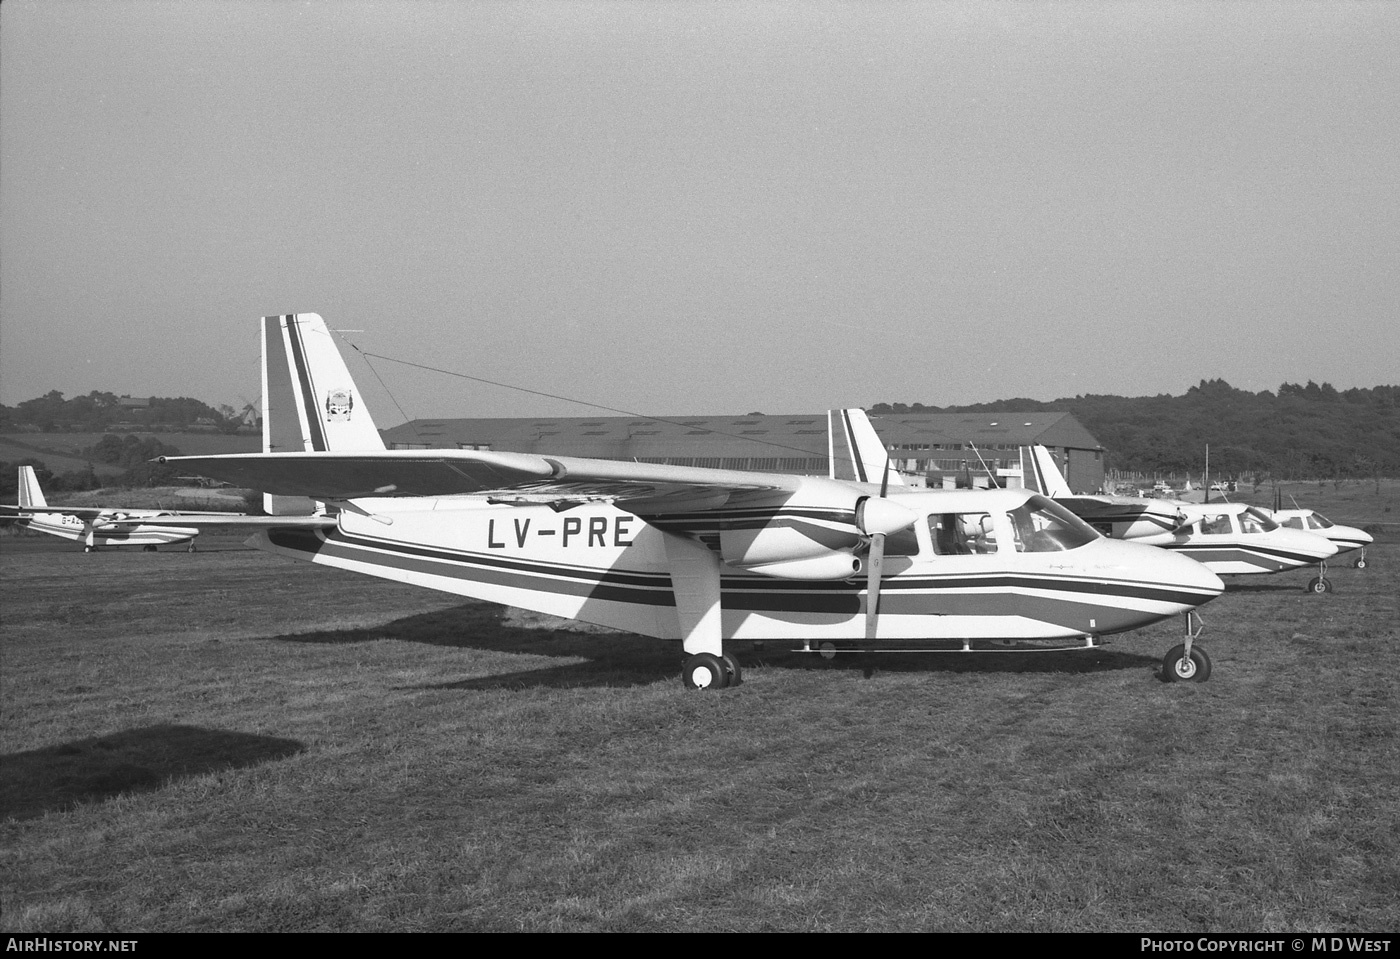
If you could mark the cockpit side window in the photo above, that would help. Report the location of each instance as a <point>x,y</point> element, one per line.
<point>962,534</point>
<point>1254,521</point>
<point>1217,524</point>
<point>1042,526</point>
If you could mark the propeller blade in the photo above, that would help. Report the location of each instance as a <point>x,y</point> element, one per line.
<point>874,568</point>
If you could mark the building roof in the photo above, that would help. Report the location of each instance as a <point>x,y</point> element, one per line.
<point>790,436</point>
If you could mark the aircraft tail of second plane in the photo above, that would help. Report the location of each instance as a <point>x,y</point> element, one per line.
<point>31,496</point>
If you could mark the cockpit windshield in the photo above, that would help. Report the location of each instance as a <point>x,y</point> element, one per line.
<point>1318,521</point>
<point>1043,526</point>
<point>1254,520</point>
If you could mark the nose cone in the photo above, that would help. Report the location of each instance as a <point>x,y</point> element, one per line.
<point>1308,547</point>
<point>1190,576</point>
<point>1349,537</point>
<point>1180,581</point>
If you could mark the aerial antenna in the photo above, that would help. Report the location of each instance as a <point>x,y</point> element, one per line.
<point>553,396</point>
<point>382,385</point>
<point>991,479</point>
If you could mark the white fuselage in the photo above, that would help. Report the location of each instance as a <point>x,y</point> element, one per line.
<point>603,565</point>
<point>1233,539</point>
<point>91,530</point>
<point>1345,538</point>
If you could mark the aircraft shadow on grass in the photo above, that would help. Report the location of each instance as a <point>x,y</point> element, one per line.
<point>57,778</point>
<point>612,658</point>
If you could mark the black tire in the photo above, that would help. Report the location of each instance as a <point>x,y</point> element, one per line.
<point>1360,564</point>
<point>148,548</point>
<point>1319,585</point>
<point>1177,668</point>
<point>735,675</point>
<point>704,671</point>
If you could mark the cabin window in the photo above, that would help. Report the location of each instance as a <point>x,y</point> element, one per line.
<point>1217,525</point>
<point>961,534</point>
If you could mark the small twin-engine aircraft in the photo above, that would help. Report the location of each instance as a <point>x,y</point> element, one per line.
<point>1228,538</point>
<point>96,526</point>
<point>693,554</point>
<point>1345,538</point>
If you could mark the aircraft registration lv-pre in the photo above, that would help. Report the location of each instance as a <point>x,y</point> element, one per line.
<point>692,554</point>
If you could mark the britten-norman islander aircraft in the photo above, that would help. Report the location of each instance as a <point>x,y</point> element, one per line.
<point>1228,538</point>
<point>692,554</point>
<point>96,526</point>
<point>1345,538</point>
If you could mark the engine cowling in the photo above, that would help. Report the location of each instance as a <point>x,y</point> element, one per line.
<point>809,536</point>
<point>841,564</point>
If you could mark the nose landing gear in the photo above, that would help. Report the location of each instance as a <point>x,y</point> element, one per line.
<point>1188,662</point>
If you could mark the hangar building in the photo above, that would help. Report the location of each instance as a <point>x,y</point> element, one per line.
<point>944,448</point>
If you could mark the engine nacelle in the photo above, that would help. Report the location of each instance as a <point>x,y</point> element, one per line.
<point>785,540</point>
<point>838,565</point>
<point>827,521</point>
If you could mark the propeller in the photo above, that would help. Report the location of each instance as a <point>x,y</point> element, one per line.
<point>877,518</point>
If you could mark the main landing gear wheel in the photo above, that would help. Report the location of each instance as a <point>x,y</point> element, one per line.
<point>1319,585</point>
<point>148,549</point>
<point>705,671</point>
<point>1178,667</point>
<point>1360,563</point>
<point>89,549</point>
<point>734,675</point>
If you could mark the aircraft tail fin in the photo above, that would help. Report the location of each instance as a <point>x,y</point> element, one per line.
<point>1040,472</point>
<point>856,451</point>
<point>309,400</point>
<point>30,495</point>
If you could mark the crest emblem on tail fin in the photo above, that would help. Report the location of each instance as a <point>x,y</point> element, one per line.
<point>339,403</point>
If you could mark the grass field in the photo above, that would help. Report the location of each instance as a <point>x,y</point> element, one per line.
<point>228,741</point>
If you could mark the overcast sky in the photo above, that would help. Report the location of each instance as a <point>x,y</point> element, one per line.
<point>701,208</point>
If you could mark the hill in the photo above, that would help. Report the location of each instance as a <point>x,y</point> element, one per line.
<point>1308,431</point>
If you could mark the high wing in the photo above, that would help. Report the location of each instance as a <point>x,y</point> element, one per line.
<point>523,477</point>
<point>110,513</point>
<point>210,520</point>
